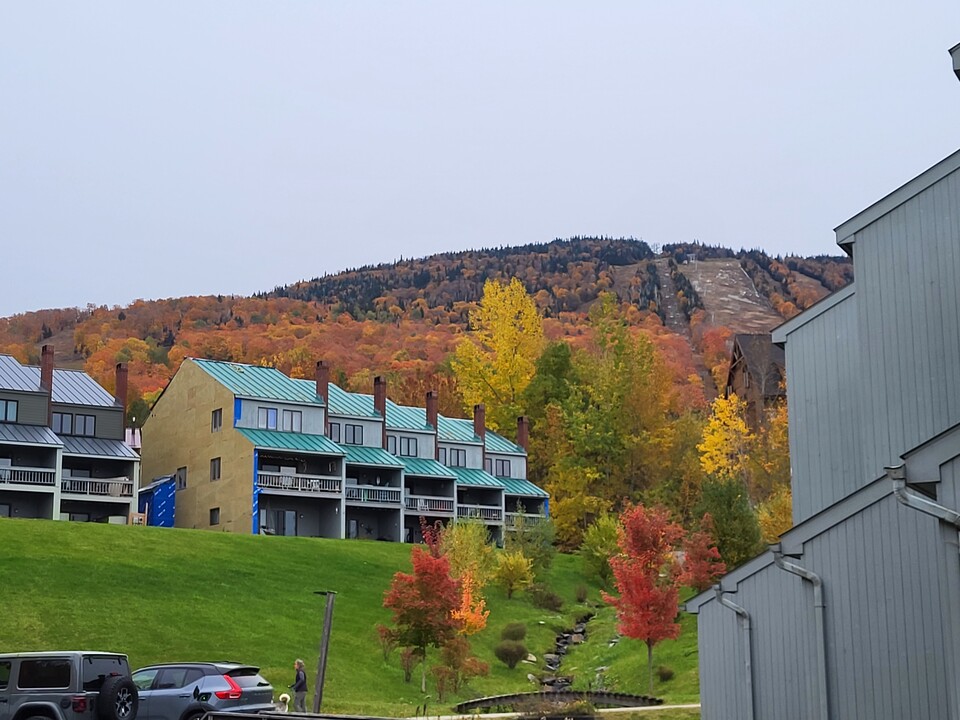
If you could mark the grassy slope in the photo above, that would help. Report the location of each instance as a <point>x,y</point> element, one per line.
<point>160,594</point>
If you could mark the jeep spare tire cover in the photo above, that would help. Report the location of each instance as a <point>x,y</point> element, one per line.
<point>118,699</point>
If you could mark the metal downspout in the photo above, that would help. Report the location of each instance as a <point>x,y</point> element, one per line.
<point>744,619</point>
<point>818,606</point>
<point>919,502</point>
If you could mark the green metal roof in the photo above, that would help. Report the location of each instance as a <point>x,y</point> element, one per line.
<point>341,402</point>
<point>360,455</point>
<point>499,444</point>
<point>475,477</point>
<point>301,442</point>
<point>517,486</point>
<point>404,417</point>
<point>456,429</point>
<point>426,468</point>
<point>259,382</point>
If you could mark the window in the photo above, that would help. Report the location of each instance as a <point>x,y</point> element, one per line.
<point>4,674</point>
<point>442,455</point>
<point>392,444</point>
<point>458,458</point>
<point>8,410</point>
<point>143,679</point>
<point>85,425</point>
<point>408,447</point>
<point>215,516</point>
<point>63,423</point>
<point>36,674</point>
<point>181,478</point>
<point>215,469</point>
<point>173,678</point>
<point>488,465</point>
<point>96,668</point>
<point>353,434</point>
<point>502,468</point>
<point>216,420</point>
<point>333,431</point>
<point>267,418</point>
<point>292,421</point>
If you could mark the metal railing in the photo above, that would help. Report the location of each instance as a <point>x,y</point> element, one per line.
<point>298,483</point>
<point>428,503</point>
<point>28,476</point>
<point>480,512</point>
<point>105,487</point>
<point>373,494</point>
<point>510,519</point>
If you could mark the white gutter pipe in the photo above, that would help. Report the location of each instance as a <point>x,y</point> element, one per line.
<point>744,619</point>
<point>818,612</point>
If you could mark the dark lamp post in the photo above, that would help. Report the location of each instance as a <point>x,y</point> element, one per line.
<point>324,644</point>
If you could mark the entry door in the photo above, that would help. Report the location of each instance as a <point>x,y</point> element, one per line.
<point>286,522</point>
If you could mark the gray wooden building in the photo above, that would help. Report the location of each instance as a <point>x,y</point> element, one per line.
<point>856,614</point>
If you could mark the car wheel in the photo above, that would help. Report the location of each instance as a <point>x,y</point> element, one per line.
<point>118,699</point>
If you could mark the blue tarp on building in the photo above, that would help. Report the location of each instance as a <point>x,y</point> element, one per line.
<point>158,501</point>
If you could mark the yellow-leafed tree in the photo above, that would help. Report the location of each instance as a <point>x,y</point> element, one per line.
<point>725,447</point>
<point>496,362</point>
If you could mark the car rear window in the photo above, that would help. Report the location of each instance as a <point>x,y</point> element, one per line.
<point>4,674</point>
<point>45,673</point>
<point>98,667</point>
<point>247,678</point>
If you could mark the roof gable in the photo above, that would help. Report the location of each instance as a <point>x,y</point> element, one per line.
<point>14,376</point>
<point>253,381</point>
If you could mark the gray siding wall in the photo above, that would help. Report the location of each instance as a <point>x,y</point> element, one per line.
<point>31,408</point>
<point>109,421</point>
<point>907,264</point>
<point>823,375</point>
<point>881,572</point>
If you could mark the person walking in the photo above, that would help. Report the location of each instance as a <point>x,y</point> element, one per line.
<point>299,687</point>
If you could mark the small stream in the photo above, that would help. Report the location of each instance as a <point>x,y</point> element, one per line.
<point>553,661</point>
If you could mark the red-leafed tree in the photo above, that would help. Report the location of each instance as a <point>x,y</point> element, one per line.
<point>423,603</point>
<point>643,572</point>
<point>701,559</point>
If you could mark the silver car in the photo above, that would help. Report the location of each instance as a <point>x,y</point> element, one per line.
<point>185,691</point>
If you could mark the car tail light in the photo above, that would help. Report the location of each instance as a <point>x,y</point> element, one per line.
<point>79,703</point>
<point>233,693</point>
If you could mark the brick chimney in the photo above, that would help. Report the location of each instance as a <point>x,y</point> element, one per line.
<point>46,379</point>
<point>121,390</point>
<point>433,414</point>
<point>380,404</point>
<point>523,432</point>
<point>323,381</point>
<point>480,421</point>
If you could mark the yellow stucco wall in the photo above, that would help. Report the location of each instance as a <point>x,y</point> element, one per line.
<point>177,434</point>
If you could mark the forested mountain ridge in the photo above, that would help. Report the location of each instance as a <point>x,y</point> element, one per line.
<point>400,319</point>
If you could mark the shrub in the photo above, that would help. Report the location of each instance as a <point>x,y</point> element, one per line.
<point>581,594</point>
<point>514,572</point>
<point>510,652</point>
<point>599,545</point>
<point>664,673</point>
<point>409,657</point>
<point>387,639</point>
<point>514,631</point>
<point>543,597</point>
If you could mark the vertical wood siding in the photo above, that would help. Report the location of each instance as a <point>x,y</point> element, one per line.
<point>823,373</point>
<point>907,264</point>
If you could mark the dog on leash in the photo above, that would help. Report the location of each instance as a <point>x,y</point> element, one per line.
<point>283,702</point>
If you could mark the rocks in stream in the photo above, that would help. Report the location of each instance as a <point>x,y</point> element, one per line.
<point>553,660</point>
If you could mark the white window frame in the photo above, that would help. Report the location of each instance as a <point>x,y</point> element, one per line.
<point>267,418</point>
<point>408,446</point>
<point>333,431</point>
<point>352,434</point>
<point>8,411</point>
<point>292,421</point>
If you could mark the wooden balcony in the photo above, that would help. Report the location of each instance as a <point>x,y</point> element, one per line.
<point>487,513</point>
<point>120,487</point>
<point>377,494</point>
<point>510,519</point>
<point>306,484</point>
<point>30,476</point>
<point>428,504</point>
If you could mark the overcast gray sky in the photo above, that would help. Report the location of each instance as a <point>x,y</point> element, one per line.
<point>160,149</point>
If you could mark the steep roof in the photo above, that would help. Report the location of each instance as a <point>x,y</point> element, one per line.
<point>475,477</point>
<point>253,381</point>
<point>404,417</point>
<point>75,387</point>
<point>424,467</point>
<point>14,376</point>
<point>341,402</point>
<point>456,430</point>
<point>524,488</point>
<point>765,361</point>
<point>28,435</point>
<point>376,457</point>
<point>97,447</point>
<point>303,442</point>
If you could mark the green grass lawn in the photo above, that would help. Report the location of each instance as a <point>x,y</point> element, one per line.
<point>162,594</point>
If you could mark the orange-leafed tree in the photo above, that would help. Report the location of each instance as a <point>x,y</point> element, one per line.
<point>472,613</point>
<point>645,578</point>
<point>423,604</point>
<point>702,565</point>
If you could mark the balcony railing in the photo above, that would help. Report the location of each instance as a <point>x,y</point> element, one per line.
<point>510,519</point>
<point>28,476</point>
<point>308,484</point>
<point>428,503</point>
<point>480,512</point>
<point>102,487</point>
<point>373,494</point>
